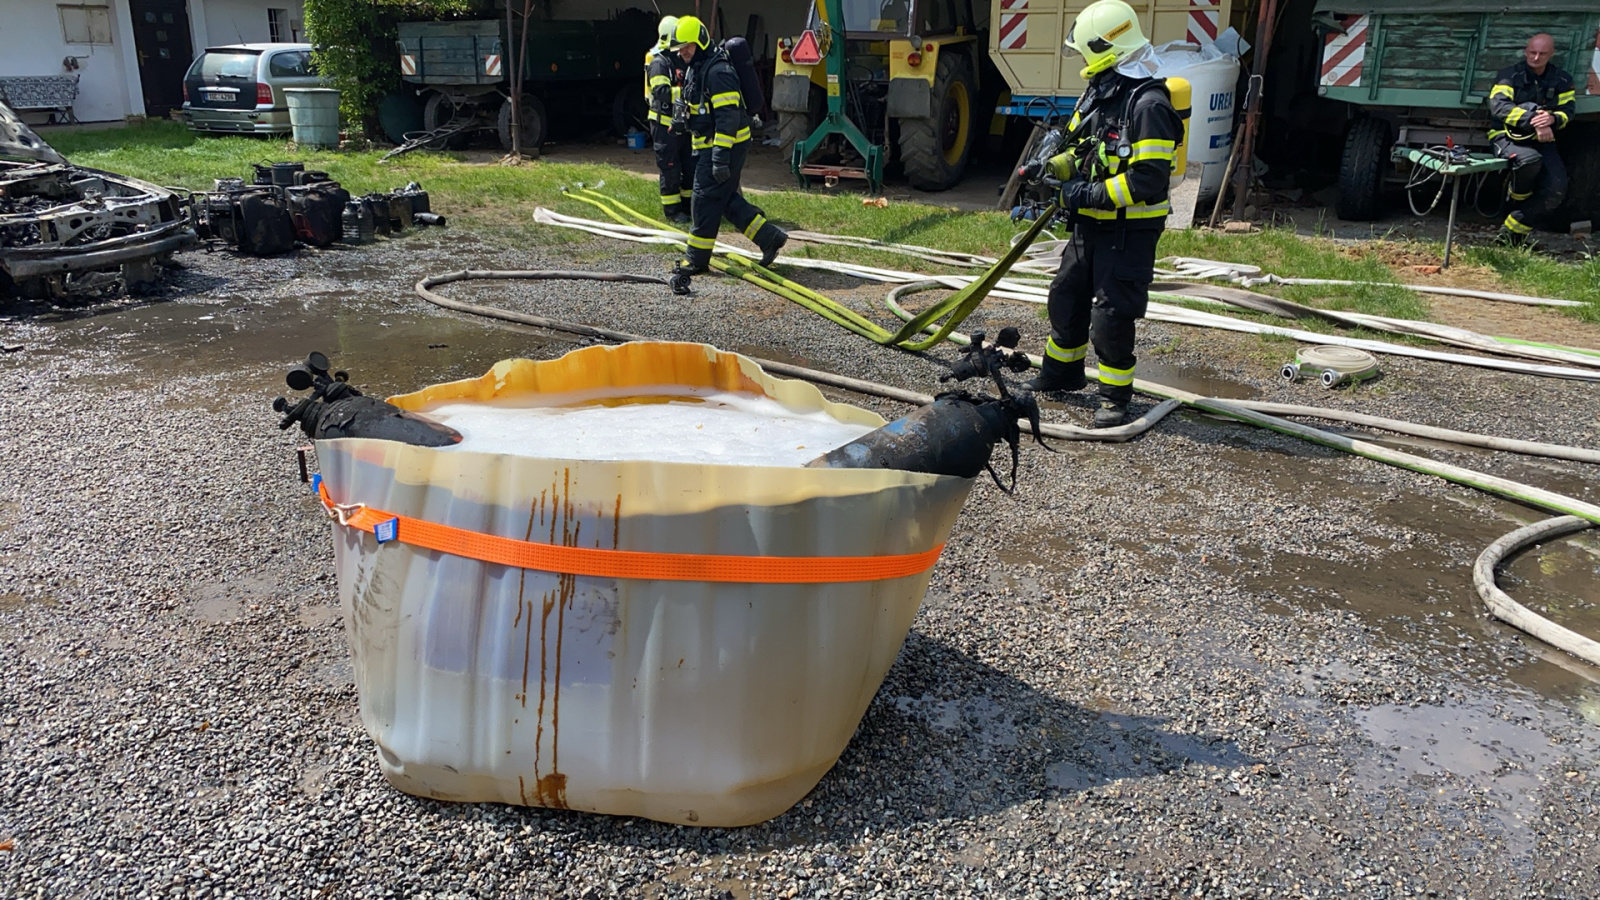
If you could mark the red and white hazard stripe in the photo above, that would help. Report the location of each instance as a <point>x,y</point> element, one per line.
<point>1204,16</point>
<point>1594,67</point>
<point>1013,24</point>
<point>491,64</point>
<point>408,64</point>
<point>1344,53</point>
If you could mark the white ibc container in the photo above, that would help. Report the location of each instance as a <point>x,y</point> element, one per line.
<point>712,703</point>
<point>1213,77</point>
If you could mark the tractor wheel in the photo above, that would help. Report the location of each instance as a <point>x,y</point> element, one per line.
<point>934,151</point>
<point>795,127</point>
<point>531,122</point>
<point>1361,170</point>
<point>438,112</point>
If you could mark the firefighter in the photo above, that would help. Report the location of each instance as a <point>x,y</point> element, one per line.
<point>674,156</point>
<point>719,121</point>
<point>1114,173</point>
<point>1530,102</point>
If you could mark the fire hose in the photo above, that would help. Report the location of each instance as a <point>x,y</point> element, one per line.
<point>1253,413</point>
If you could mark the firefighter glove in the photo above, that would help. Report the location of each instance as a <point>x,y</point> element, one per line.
<point>720,172</point>
<point>1075,195</point>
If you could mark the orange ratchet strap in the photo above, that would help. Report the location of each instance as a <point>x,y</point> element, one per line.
<point>634,564</point>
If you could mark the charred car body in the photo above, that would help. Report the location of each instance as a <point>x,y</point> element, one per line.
<point>70,232</point>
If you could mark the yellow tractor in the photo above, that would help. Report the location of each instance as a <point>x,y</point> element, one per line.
<point>870,72</point>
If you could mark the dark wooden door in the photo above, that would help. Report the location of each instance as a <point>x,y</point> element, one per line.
<point>161,36</point>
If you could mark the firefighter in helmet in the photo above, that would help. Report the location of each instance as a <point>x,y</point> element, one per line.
<point>674,156</point>
<point>719,122</point>
<point>1114,173</point>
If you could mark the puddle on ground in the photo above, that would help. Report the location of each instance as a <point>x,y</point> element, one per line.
<point>1471,757</point>
<point>1203,380</point>
<point>385,351</point>
<point>1404,564</point>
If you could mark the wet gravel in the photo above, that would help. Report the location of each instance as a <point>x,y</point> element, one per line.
<point>1213,662</point>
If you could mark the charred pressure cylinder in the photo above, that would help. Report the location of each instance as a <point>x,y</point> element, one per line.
<point>419,197</point>
<point>399,211</point>
<point>427,218</point>
<point>335,410</point>
<point>356,221</point>
<point>381,222</point>
<point>951,436</point>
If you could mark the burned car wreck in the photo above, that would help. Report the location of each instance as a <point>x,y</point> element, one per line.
<point>69,233</point>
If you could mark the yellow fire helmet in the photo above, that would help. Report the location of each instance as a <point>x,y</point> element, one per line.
<point>1104,34</point>
<point>691,31</point>
<point>667,30</point>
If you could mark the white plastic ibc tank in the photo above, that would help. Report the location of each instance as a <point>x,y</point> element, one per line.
<point>713,703</point>
<point>1213,77</point>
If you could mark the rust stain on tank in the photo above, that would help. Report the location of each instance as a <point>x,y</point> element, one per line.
<point>551,791</point>
<point>616,524</point>
<point>527,637</point>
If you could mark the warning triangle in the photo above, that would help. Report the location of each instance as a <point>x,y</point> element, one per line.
<point>806,52</point>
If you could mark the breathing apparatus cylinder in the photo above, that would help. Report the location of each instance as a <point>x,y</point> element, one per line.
<point>1182,98</point>
<point>755,100</point>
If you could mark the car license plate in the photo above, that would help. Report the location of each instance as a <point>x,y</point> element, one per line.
<point>218,96</point>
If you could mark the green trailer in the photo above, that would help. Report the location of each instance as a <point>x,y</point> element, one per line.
<point>1418,74</point>
<point>571,68</point>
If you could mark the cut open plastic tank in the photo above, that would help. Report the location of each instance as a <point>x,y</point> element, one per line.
<point>659,684</point>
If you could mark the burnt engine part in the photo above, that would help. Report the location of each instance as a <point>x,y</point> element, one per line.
<point>256,220</point>
<point>334,409</point>
<point>316,210</point>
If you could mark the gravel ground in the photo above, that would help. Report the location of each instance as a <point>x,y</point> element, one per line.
<point>1213,662</point>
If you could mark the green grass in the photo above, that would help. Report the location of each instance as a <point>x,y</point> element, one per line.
<point>1526,272</point>
<point>500,199</point>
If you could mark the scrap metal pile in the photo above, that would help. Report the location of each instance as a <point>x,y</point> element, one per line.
<point>73,234</point>
<point>285,203</point>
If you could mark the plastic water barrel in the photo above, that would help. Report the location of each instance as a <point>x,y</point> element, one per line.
<point>314,116</point>
<point>1212,76</point>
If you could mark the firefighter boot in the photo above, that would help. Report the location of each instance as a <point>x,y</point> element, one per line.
<point>1110,414</point>
<point>770,251</point>
<point>1055,375</point>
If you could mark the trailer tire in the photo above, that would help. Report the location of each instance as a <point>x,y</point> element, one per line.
<point>440,111</point>
<point>934,151</point>
<point>1362,168</point>
<point>629,110</point>
<point>531,123</point>
<point>795,127</point>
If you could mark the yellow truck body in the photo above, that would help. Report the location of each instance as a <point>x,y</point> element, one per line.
<point>1025,38</point>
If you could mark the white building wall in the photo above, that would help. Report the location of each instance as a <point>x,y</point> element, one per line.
<point>31,43</point>
<point>240,21</point>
